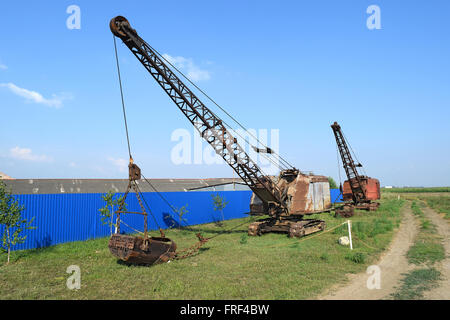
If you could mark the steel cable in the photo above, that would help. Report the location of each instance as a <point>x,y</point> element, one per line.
<point>354,154</point>
<point>284,162</point>
<point>121,95</point>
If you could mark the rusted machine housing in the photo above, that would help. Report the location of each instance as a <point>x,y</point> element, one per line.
<point>304,194</point>
<point>371,188</point>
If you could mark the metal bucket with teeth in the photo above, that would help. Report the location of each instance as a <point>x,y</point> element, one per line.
<point>137,250</point>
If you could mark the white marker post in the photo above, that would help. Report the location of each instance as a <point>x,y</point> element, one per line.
<point>349,223</point>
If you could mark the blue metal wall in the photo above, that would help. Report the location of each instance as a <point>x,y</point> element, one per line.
<point>335,195</point>
<point>63,218</point>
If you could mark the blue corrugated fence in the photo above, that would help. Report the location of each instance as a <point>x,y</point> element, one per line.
<point>336,196</point>
<point>63,218</point>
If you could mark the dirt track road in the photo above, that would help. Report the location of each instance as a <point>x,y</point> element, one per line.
<point>393,263</point>
<point>443,228</point>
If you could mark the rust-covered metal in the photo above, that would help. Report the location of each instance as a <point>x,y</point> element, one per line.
<point>138,250</point>
<point>206,122</point>
<point>308,194</point>
<point>304,195</point>
<point>345,211</point>
<point>144,249</point>
<point>371,187</point>
<point>275,196</point>
<point>293,227</point>
<point>359,190</point>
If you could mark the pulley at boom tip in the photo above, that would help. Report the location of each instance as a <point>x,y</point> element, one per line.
<point>116,24</point>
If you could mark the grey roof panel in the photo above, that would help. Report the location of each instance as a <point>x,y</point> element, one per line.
<point>55,186</point>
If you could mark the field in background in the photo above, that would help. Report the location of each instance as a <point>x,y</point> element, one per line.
<point>435,198</point>
<point>231,266</point>
<point>439,204</point>
<point>416,190</point>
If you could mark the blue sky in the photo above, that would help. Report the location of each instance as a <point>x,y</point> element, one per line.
<point>295,66</point>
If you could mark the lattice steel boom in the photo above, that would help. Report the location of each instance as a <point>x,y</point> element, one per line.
<point>203,119</point>
<point>359,194</point>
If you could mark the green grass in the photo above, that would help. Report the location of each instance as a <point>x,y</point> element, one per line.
<point>436,198</point>
<point>356,257</point>
<point>384,222</point>
<point>231,266</point>
<point>416,190</point>
<point>426,251</point>
<point>428,246</point>
<point>440,204</point>
<point>416,209</point>
<point>416,283</point>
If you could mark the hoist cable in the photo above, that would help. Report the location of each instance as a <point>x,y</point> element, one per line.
<point>228,230</point>
<point>338,164</point>
<point>175,211</point>
<point>283,166</point>
<point>280,166</point>
<point>213,101</point>
<point>148,207</point>
<point>129,150</point>
<point>354,154</point>
<point>126,125</point>
<point>285,162</point>
<point>121,95</point>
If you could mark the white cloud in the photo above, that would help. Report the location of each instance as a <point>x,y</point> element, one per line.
<point>121,164</point>
<point>186,65</point>
<point>72,164</point>
<point>3,67</point>
<point>27,154</point>
<point>33,96</point>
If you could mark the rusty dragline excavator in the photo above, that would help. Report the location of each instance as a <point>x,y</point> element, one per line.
<point>286,198</point>
<point>359,191</point>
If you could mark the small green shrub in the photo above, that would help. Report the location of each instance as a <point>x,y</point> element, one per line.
<point>426,225</point>
<point>244,239</point>
<point>356,257</point>
<point>324,256</point>
<point>332,183</point>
